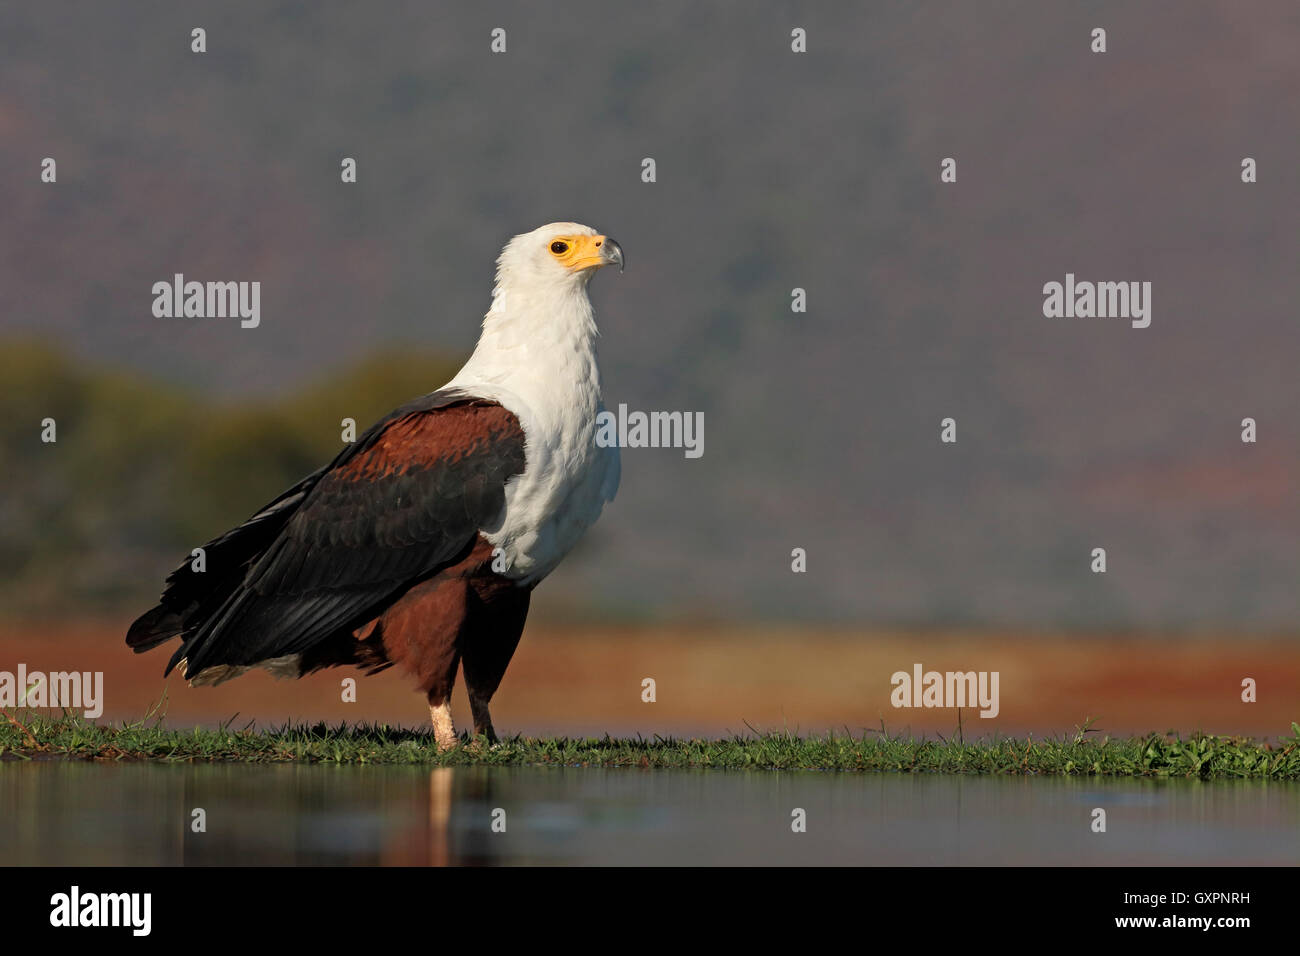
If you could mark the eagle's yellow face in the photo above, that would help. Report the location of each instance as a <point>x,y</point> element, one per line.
<point>578,252</point>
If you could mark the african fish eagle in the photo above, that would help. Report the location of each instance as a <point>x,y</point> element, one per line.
<point>420,543</point>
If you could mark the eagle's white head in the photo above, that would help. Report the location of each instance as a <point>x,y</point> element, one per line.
<point>540,327</point>
<point>559,256</point>
<point>540,296</point>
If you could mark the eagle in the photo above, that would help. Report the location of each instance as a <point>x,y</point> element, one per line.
<point>421,542</point>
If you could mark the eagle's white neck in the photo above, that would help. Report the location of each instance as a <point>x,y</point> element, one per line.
<point>536,356</point>
<point>535,329</point>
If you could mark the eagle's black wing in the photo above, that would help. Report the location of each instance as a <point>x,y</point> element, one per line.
<point>406,499</point>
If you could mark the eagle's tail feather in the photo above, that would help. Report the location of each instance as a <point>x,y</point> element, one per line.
<point>190,597</point>
<point>153,628</point>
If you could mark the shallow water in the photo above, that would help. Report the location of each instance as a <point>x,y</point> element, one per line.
<point>56,812</point>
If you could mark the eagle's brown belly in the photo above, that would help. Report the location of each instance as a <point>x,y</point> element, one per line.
<point>466,614</point>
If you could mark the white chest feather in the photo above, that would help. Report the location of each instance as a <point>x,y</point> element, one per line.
<point>539,361</point>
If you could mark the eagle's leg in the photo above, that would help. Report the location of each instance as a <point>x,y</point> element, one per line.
<point>478,707</point>
<point>421,632</point>
<point>496,622</point>
<point>439,692</point>
<point>444,731</point>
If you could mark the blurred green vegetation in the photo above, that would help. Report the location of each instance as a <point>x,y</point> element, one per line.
<point>142,472</point>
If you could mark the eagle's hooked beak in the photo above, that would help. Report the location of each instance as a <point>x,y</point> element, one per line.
<point>587,253</point>
<point>610,251</point>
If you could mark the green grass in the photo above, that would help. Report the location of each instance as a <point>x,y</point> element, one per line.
<point>30,736</point>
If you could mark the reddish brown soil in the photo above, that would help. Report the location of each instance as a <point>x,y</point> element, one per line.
<point>715,680</point>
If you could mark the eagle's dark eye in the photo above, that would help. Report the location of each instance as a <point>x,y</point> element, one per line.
<point>559,248</point>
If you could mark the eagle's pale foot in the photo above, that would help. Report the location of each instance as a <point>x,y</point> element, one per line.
<point>444,731</point>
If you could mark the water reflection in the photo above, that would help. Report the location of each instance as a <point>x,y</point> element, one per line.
<point>54,812</point>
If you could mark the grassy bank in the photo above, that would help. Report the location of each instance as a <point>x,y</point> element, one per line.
<point>28,736</point>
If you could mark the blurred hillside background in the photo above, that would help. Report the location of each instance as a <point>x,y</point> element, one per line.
<point>775,171</point>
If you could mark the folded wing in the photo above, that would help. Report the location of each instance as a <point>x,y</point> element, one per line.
<point>331,553</point>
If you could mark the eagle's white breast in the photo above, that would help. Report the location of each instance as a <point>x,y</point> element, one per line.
<point>537,358</point>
